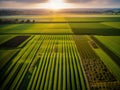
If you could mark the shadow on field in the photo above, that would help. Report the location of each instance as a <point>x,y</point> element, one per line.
<point>106,32</point>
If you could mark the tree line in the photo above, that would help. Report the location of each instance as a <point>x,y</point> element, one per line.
<point>15,21</point>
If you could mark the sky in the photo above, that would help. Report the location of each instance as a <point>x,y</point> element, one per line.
<point>33,4</point>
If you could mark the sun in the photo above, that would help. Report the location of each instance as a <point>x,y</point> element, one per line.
<point>56,4</point>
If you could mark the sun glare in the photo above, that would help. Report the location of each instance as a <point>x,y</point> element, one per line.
<point>56,4</point>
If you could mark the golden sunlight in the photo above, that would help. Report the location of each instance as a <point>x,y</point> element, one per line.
<point>54,5</point>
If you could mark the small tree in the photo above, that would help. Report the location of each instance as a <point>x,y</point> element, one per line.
<point>22,21</point>
<point>0,20</point>
<point>33,21</point>
<point>28,21</point>
<point>16,20</point>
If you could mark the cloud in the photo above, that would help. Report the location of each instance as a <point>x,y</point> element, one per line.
<point>25,1</point>
<point>86,1</point>
<point>68,1</point>
<point>79,3</point>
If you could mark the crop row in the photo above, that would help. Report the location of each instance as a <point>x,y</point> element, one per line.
<point>45,62</point>
<point>95,70</point>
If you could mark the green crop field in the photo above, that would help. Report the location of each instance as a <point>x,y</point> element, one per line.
<point>113,24</point>
<point>60,52</point>
<point>112,42</point>
<point>45,54</point>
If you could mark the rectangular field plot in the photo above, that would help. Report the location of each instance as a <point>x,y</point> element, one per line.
<point>93,28</point>
<point>112,24</point>
<point>50,28</point>
<point>15,28</point>
<point>46,62</point>
<point>22,28</point>
<point>7,26</point>
<point>14,42</point>
<point>37,28</point>
<point>97,73</point>
<point>41,26</point>
<point>89,26</point>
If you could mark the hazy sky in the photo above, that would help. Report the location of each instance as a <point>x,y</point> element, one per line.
<point>75,3</point>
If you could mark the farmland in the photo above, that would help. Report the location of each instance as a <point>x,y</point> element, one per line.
<point>55,55</point>
<point>60,52</point>
<point>95,69</point>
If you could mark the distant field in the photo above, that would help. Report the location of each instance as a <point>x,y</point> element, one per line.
<point>57,24</point>
<point>68,17</point>
<point>92,19</point>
